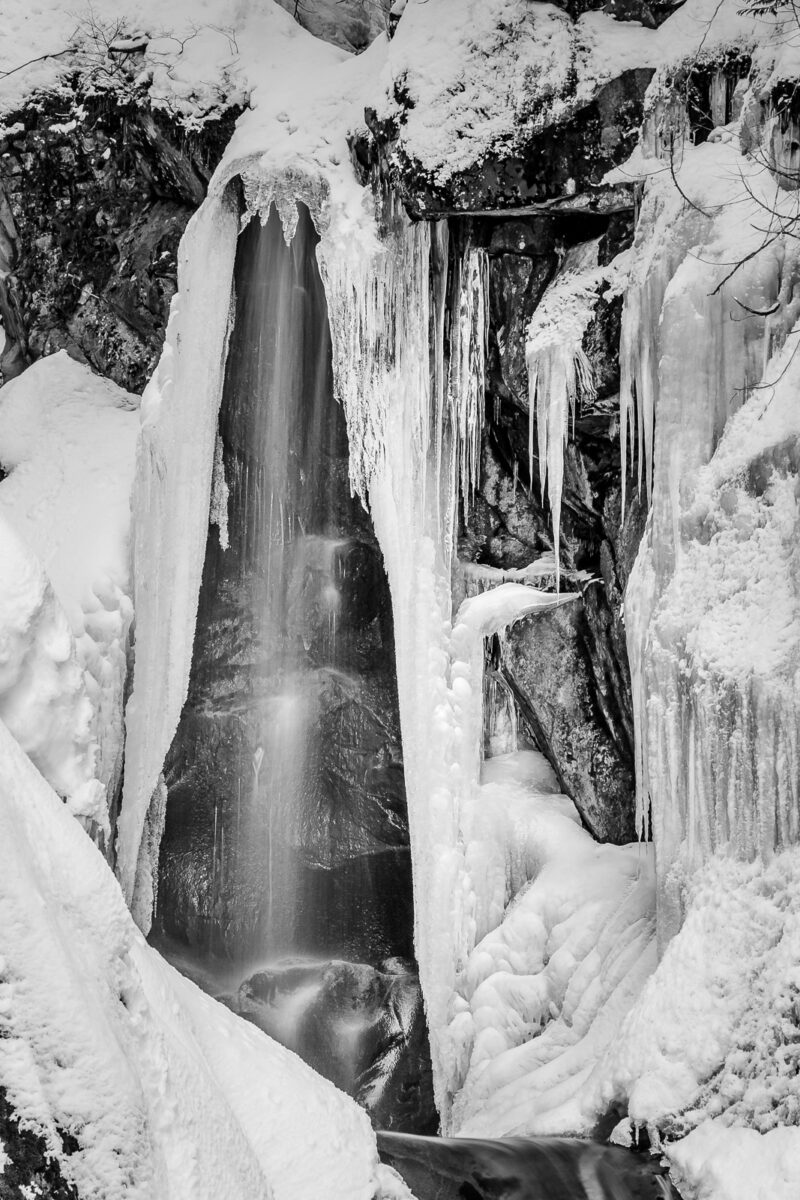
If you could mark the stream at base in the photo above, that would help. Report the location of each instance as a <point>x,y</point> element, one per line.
<point>546,1168</point>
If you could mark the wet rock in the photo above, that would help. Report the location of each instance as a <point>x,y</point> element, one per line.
<point>351,24</point>
<point>568,696</point>
<point>362,1027</point>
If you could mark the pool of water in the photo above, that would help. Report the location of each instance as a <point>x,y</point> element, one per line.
<point>523,1169</point>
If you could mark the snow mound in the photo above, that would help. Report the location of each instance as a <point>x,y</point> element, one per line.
<point>717,1162</point>
<point>43,696</point>
<point>167,1093</point>
<point>68,441</point>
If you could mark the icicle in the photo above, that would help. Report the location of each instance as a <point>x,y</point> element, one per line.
<point>218,512</point>
<point>559,370</point>
<point>467,381</point>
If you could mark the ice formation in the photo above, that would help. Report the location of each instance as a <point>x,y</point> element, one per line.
<point>709,696</point>
<point>171,502</point>
<point>559,370</point>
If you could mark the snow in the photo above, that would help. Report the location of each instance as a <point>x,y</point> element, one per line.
<point>168,1093</point>
<point>43,696</point>
<point>534,944</point>
<point>722,1163</point>
<point>67,441</point>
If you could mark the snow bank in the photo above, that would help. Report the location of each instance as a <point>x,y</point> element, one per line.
<point>67,441</point>
<point>169,1095</point>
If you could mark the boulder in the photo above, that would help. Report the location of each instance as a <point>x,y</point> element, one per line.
<point>360,1026</point>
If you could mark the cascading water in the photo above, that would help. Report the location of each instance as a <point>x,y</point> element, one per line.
<point>285,828</point>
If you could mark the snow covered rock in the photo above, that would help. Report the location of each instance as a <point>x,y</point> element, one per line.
<point>67,441</point>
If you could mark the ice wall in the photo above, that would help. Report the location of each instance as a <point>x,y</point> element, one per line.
<point>712,301</point>
<point>170,510</point>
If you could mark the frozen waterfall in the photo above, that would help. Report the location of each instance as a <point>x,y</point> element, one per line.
<point>716,710</point>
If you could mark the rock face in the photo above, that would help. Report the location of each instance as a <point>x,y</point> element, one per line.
<point>362,1027</point>
<point>91,214</point>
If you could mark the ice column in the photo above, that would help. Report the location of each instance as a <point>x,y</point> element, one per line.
<point>715,733</point>
<point>170,509</point>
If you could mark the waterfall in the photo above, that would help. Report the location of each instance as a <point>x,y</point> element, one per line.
<point>285,830</point>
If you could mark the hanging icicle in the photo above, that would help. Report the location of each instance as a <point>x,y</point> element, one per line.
<point>559,370</point>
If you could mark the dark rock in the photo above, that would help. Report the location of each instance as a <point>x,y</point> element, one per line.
<point>29,1169</point>
<point>562,160</point>
<point>567,670</point>
<point>362,1027</point>
<point>553,667</point>
<point>351,24</point>
<point>98,204</point>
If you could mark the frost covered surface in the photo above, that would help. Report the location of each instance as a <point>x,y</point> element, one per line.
<point>718,1162</point>
<point>67,441</point>
<point>167,1092</point>
<point>712,608</point>
<point>709,1051</point>
<point>570,941</point>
